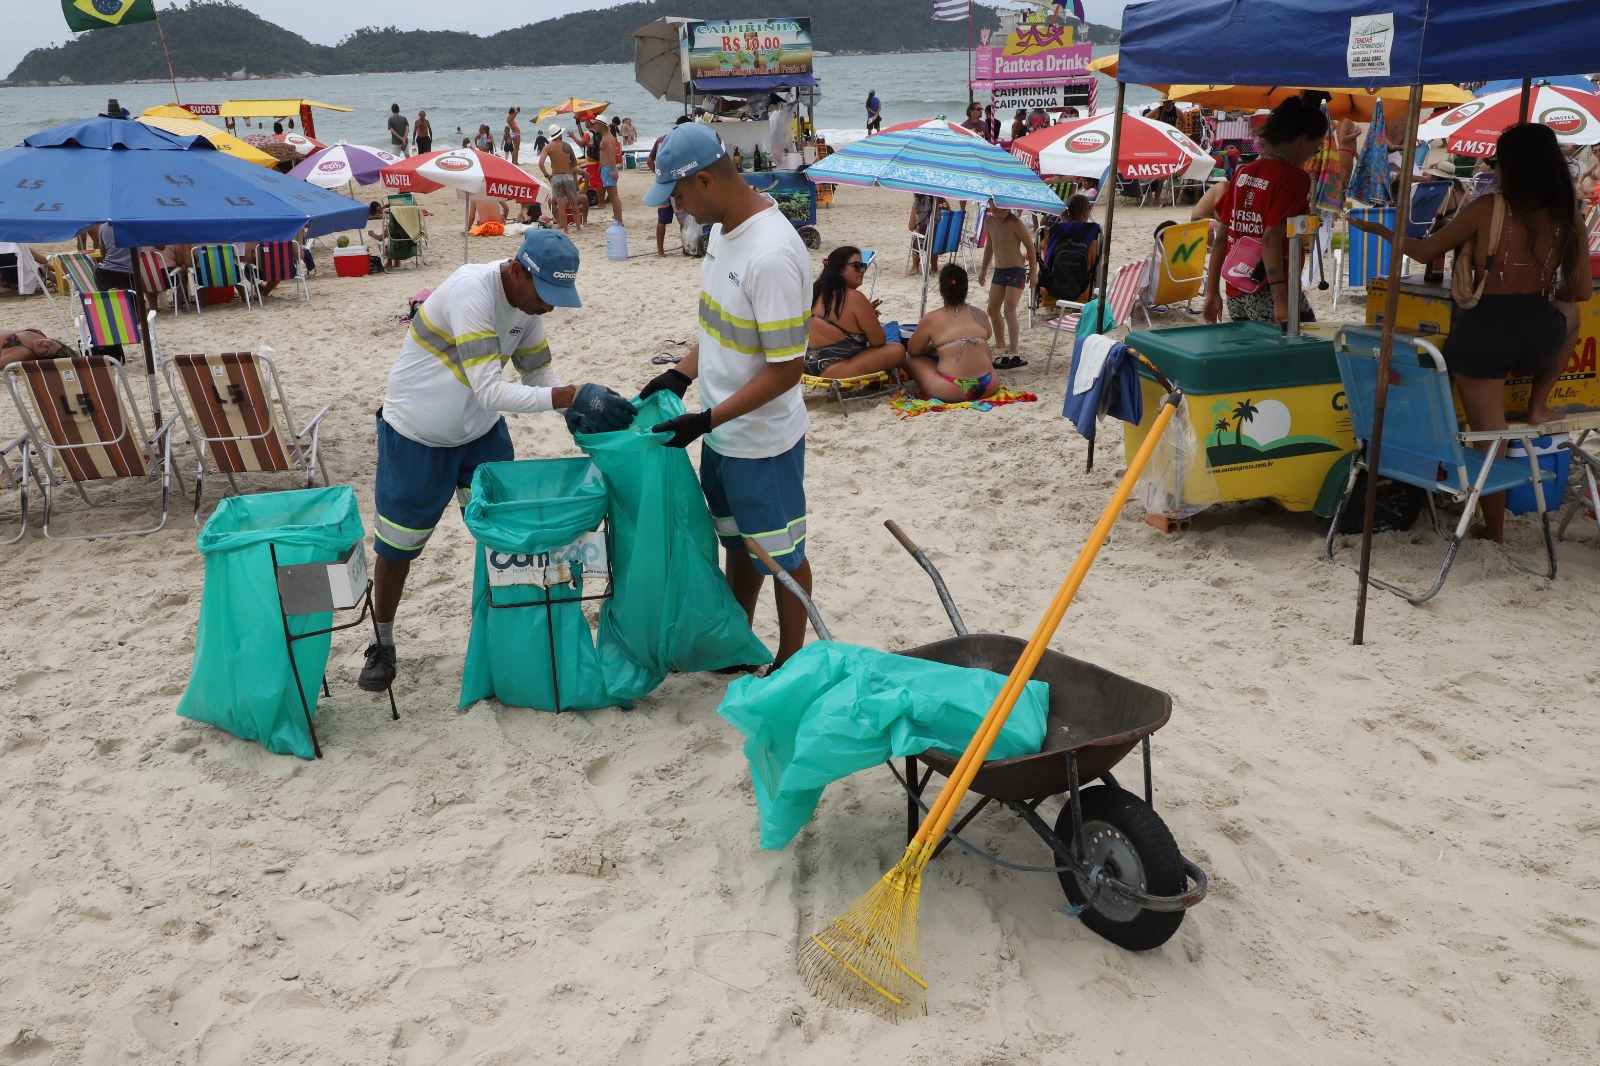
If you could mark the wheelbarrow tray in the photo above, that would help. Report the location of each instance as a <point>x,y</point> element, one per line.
<point>1095,715</point>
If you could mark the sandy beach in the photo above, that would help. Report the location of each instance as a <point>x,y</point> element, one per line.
<point>1403,838</point>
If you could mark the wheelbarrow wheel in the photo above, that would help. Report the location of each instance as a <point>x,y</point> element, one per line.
<point>810,236</point>
<point>1131,843</point>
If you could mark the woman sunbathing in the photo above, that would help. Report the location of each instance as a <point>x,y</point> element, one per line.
<point>18,345</point>
<point>846,339</point>
<point>951,360</point>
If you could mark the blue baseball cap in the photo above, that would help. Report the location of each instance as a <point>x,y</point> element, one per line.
<point>687,149</point>
<point>551,259</point>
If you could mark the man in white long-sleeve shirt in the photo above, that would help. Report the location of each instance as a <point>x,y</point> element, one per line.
<point>442,411</point>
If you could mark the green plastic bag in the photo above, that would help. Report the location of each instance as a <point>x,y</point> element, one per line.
<point>835,708</point>
<point>672,609</point>
<point>519,510</point>
<point>241,680</point>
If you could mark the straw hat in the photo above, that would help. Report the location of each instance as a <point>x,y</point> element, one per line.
<point>1440,169</point>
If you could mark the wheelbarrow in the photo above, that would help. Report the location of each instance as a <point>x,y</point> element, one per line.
<point>1123,874</point>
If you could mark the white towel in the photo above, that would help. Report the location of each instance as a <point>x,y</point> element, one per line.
<point>1091,362</point>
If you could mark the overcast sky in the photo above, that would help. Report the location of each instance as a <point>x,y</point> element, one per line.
<point>37,23</point>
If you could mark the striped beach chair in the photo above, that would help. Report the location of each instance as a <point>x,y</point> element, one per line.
<point>239,419</point>
<point>1125,288</point>
<point>110,319</point>
<point>216,266</point>
<point>278,261</point>
<point>155,277</point>
<point>83,425</point>
<point>74,272</point>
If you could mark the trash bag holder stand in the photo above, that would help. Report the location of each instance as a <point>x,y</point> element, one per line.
<point>363,601</point>
<point>549,602</point>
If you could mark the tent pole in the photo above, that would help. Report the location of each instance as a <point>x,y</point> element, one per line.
<point>1111,209</point>
<point>466,231</point>
<point>1380,398</point>
<point>1527,91</point>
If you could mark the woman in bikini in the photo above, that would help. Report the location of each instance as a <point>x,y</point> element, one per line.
<point>950,356</point>
<point>846,339</point>
<point>23,344</point>
<point>1526,321</point>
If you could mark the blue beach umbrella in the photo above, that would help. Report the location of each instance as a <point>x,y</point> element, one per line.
<point>938,162</point>
<point>1369,183</point>
<point>156,188</point>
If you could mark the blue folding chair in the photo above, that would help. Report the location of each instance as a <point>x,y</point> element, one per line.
<point>1424,446</point>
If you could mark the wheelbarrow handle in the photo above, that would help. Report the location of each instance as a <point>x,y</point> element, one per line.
<point>938,579</point>
<point>792,585</point>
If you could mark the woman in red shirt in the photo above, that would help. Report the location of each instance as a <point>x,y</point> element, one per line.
<point>1262,196</point>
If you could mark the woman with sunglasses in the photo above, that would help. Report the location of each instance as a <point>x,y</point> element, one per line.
<point>847,340</point>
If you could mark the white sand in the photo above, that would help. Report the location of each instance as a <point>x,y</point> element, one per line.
<point>1402,837</point>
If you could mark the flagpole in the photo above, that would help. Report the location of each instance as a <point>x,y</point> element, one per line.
<point>970,95</point>
<point>163,34</point>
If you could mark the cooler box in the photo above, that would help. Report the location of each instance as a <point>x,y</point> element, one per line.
<point>352,262</point>
<point>1268,411</point>
<point>1549,454</point>
<point>1425,307</point>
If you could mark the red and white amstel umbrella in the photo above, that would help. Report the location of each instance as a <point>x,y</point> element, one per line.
<point>1474,128</point>
<point>928,124</point>
<point>466,170</point>
<point>302,144</point>
<point>1081,147</point>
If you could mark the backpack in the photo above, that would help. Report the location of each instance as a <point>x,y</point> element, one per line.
<point>1067,272</point>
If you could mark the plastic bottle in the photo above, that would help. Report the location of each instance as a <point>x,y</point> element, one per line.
<point>616,241</point>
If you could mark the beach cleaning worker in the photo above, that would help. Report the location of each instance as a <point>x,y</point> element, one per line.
<point>441,413</point>
<point>755,310</point>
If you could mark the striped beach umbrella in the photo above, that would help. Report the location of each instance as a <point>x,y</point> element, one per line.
<point>340,163</point>
<point>1474,128</point>
<point>937,162</point>
<point>1081,147</point>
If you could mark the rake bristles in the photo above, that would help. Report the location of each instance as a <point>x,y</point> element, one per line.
<point>871,957</point>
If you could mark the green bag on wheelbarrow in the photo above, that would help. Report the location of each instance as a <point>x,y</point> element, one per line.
<point>531,645</point>
<point>241,680</point>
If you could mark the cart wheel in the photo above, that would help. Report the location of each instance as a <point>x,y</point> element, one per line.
<point>811,237</point>
<point>1133,845</point>
<point>594,198</point>
<point>1399,505</point>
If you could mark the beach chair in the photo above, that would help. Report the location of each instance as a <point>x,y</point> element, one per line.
<point>216,266</point>
<point>407,234</point>
<point>14,479</point>
<point>848,390</point>
<point>972,239</point>
<point>1125,287</point>
<point>110,319</point>
<point>1424,446</point>
<point>278,261</point>
<point>74,272</point>
<point>239,420</point>
<point>1179,261</point>
<point>156,277</point>
<point>83,425</point>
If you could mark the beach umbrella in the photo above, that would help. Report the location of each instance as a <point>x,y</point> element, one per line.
<point>177,121</point>
<point>1356,104</point>
<point>301,144</point>
<point>937,162</point>
<point>1369,181</point>
<point>928,124</point>
<point>1081,147</point>
<point>573,106</point>
<point>1474,128</point>
<point>466,170</point>
<point>332,167</point>
<point>658,58</point>
<point>1107,65</point>
<point>1560,81</point>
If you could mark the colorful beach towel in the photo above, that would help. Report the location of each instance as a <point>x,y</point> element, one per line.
<point>908,406</point>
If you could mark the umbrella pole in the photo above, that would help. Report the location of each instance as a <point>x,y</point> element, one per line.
<point>466,229</point>
<point>1380,397</point>
<point>149,356</point>
<point>1527,92</point>
<point>1111,210</point>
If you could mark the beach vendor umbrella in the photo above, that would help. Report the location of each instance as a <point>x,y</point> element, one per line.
<point>1474,128</point>
<point>938,162</point>
<point>658,58</point>
<point>1369,182</point>
<point>332,167</point>
<point>466,170</point>
<point>928,124</point>
<point>1107,65</point>
<point>1081,147</point>
<point>301,144</point>
<point>177,121</point>
<point>573,106</point>
<point>1560,81</point>
<point>1355,104</point>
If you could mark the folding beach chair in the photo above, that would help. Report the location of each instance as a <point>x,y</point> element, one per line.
<point>1179,270</point>
<point>1424,446</point>
<point>848,390</point>
<point>83,425</point>
<point>239,419</point>
<point>407,229</point>
<point>278,261</point>
<point>1125,287</point>
<point>943,239</point>
<point>110,319</point>
<point>74,272</point>
<point>156,277</point>
<point>216,266</point>
<point>972,238</point>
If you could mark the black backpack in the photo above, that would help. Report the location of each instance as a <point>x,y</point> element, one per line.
<point>1067,273</point>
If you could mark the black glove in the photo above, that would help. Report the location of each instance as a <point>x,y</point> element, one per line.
<point>685,428</point>
<point>674,381</point>
<point>597,409</point>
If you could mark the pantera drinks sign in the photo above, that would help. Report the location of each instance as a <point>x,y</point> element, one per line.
<point>1032,55</point>
<point>744,48</point>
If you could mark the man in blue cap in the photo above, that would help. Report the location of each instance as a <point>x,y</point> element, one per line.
<point>441,414</point>
<point>755,312</point>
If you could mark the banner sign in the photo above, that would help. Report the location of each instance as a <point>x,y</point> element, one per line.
<point>999,67</point>
<point>1048,97</point>
<point>743,48</point>
<point>202,110</point>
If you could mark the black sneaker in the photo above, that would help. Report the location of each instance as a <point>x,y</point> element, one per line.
<point>378,674</point>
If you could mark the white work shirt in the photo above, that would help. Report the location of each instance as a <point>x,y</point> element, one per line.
<point>755,309</point>
<point>447,389</point>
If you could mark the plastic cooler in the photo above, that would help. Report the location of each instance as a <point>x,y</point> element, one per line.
<point>1267,410</point>
<point>352,262</point>
<point>1551,456</point>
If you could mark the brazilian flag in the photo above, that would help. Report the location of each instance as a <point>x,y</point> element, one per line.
<point>95,14</point>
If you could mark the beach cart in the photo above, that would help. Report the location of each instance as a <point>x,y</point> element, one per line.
<point>796,198</point>
<point>1123,874</point>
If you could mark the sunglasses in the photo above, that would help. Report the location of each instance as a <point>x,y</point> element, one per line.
<point>856,265</point>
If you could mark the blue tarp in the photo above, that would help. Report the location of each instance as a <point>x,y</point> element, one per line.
<point>1304,42</point>
<point>753,83</point>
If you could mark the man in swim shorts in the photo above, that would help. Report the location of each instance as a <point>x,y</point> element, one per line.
<point>559,164</point>
<point>666,215</point>
<point>610,158</point>
<point>1016,261</point>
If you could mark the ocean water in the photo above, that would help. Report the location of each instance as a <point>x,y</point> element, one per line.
<point>911,86</point>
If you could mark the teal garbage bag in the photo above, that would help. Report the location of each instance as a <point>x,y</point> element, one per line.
<point>671,608</point>
<point>835,708</point>
<point>241,680</point>
<point>520,510</point>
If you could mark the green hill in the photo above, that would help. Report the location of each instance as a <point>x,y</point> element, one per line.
<point>211,38</point>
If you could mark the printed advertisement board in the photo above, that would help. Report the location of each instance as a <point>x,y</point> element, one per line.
<point>742,48</point>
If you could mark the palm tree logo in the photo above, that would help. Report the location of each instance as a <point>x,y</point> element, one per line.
<point>1221,426</point>
<point>1243,412</point>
